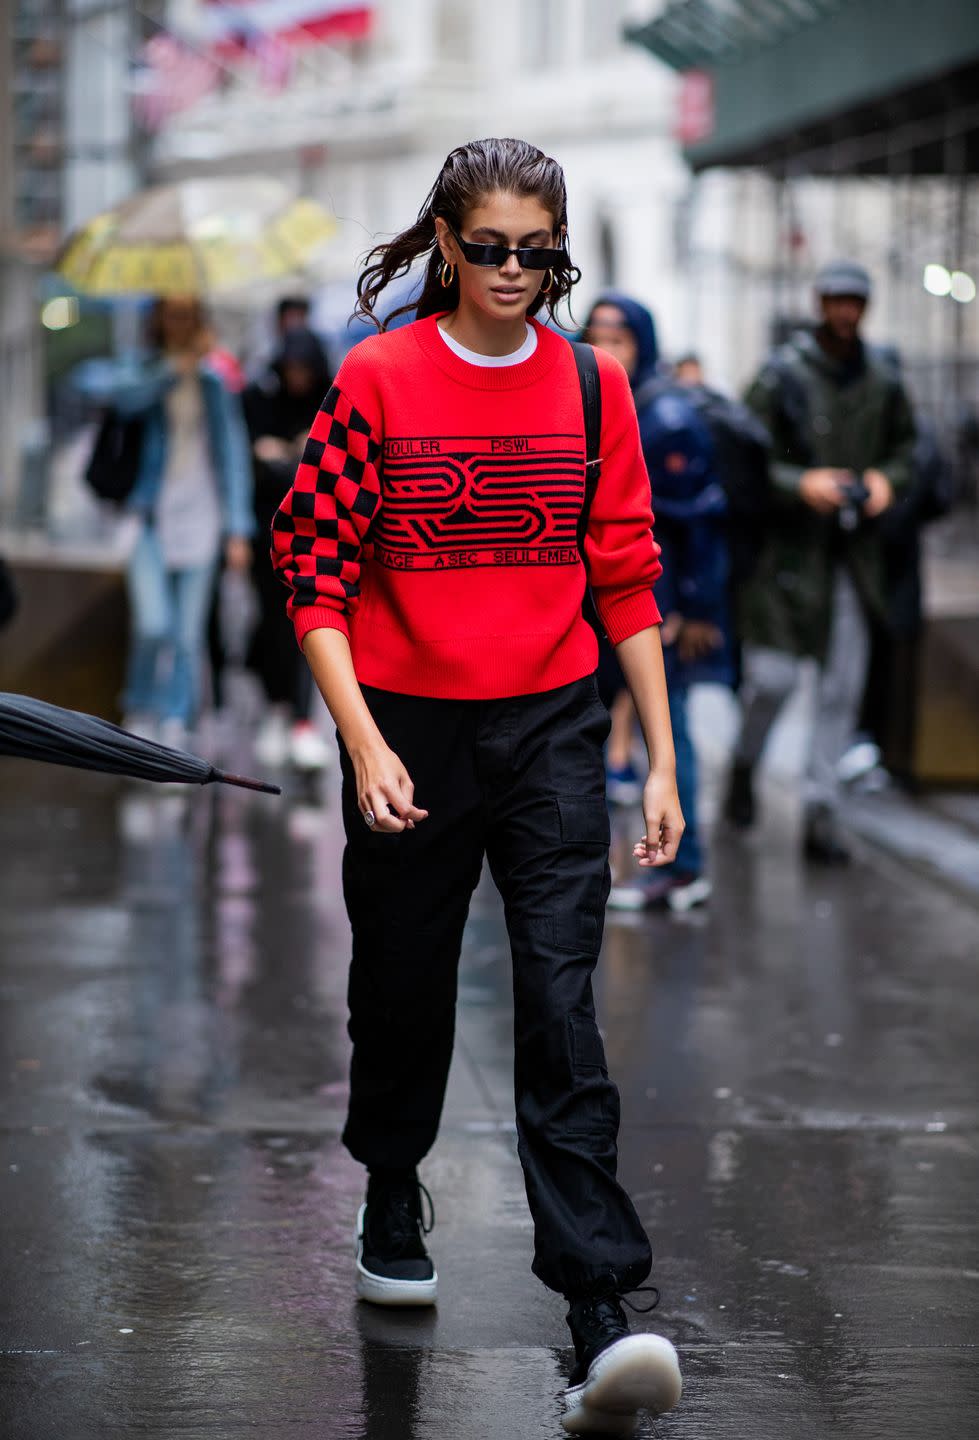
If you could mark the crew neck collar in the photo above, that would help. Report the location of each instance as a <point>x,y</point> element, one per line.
<point>523,351</point>
<point>479,377</point>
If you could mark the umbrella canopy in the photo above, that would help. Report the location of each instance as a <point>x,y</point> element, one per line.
<point>34,730</point>
<point>197,237</point>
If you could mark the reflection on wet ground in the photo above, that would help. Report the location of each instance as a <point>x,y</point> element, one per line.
<point>798,1078</point>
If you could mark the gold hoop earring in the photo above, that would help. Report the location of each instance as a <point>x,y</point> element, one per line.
<point>546,288</point>
<point>448,274</point>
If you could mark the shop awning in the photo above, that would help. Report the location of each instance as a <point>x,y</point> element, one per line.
<point>860,86</point>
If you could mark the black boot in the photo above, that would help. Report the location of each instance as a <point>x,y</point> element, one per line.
<point>393,1266</point>
<point>822,843</point>
<point>616,1374</point>
<point>739,806</point>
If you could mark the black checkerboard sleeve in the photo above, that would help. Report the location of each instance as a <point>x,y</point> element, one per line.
<point>319,529</point>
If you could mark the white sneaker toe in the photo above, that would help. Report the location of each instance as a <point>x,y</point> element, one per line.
<point>639,1372</point>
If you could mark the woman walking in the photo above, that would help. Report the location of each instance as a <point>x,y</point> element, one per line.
<point>193,496</point>
<point>431,542</point>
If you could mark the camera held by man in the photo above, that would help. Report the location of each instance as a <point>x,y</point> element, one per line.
<point>855,497</point>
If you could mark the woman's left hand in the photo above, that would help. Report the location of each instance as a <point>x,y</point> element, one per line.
<point>237,553</point>
<point>664,821</point>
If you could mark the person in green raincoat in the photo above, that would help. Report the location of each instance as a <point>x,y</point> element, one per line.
<point>842,449</point>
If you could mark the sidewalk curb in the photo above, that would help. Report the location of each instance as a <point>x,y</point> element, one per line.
<point>907,831</point>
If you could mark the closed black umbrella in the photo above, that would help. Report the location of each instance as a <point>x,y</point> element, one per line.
<point>34,730</point>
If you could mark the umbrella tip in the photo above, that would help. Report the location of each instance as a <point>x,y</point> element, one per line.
<point>245,782</point>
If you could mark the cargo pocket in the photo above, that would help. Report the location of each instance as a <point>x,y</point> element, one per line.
<point>583,820</point>
<point>585,836</point>
<point>594,1111</point>
<point>587,1050</point>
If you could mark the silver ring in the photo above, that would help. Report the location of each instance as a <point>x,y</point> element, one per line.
<point>370,819</point>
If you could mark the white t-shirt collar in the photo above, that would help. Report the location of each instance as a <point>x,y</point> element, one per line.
<point>492,362</point>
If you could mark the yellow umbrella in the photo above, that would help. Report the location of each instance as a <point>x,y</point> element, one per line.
<point>197,237</point>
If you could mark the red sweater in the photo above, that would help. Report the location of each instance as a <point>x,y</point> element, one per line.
<point>433,519</point>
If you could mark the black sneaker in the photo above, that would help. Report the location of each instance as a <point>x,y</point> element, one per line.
<point>739,806</point>
<point>822,842</point>
<point>617,1374</point>
<point>393,1266</point>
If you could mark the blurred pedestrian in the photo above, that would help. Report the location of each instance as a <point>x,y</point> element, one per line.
<point>279,409</point>
<point>229,370</point>
<point>689,370</point>
<point>843,438</point>
<point>692,592</point>
<point>193,498</point>
<point>431,543</point>
<point>624,328</point>
<point>292,313</point>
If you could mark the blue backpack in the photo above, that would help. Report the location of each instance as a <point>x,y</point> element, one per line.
<point>680,451</point>
<point>707,456</point>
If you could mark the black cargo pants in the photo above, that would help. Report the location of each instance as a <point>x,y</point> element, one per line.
<point>522,781</point>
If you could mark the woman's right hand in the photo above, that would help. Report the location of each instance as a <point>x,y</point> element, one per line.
<point>383,786</point>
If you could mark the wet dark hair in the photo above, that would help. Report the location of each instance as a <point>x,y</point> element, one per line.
<point>470,173</point>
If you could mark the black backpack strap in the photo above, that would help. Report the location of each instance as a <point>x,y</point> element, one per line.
<point>591,404</point>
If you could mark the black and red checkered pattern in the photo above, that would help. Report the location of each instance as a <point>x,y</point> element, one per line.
<point>321,525</point>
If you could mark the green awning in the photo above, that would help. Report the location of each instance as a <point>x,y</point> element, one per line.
<point>897,80</point>
<point>693,34</point>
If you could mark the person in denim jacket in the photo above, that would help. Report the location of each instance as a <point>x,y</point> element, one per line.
<point>193,495</point>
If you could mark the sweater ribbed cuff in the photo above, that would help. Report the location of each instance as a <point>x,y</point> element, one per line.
<point>318,617</point>
<point>626,614</point>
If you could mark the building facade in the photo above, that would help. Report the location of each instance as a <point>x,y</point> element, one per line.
<point>724,258</point>
<point>365,126</point>
<point>68,149</point>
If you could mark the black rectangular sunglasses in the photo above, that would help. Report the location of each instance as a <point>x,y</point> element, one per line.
<point>496,256</point>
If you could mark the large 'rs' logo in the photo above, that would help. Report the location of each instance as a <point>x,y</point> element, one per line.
<point>480,496</point>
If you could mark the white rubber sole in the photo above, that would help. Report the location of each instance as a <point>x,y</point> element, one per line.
<point>379,1290</point>
<point>687,897</point>
<point>641,1372</point>
<point>679,901</point>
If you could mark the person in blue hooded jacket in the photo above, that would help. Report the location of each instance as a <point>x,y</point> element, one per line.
<point>626,330</point>
<point>692,593</point>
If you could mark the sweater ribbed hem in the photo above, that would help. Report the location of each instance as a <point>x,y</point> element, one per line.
<point>478,667</point>
<point>318,617</point>
<point>625,615</point>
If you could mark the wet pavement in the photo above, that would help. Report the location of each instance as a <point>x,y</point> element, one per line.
<point>798,1074</point>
